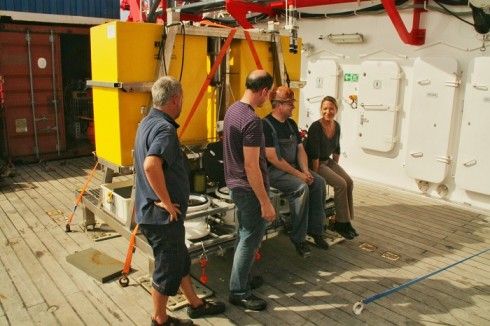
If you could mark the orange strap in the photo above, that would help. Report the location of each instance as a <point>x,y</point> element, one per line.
<point>79,198</point>
<point>129,255</point>
<point>247,36</point>
<point>208,80</point>
<point>252,48</point>
<point>213,24</point>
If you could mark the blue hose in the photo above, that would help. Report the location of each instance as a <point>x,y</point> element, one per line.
<point>358,306</point>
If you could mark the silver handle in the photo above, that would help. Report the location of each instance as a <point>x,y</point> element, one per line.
<point>480,87</point>
<point>417,154</point>
<point>453,83</point>
<point>309,99</point>
<point>374,107</point>
<point>423,82</point>
<point>470,163</point>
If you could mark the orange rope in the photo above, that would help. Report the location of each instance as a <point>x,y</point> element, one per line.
<point>252,48</point>
<point>208,80</point>
<point>79,198</point>
<point>212,24</point>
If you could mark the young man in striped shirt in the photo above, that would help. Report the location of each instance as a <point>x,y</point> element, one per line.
<point>246,177</point>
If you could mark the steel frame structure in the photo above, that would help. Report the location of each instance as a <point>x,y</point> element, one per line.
<point>239,9</point>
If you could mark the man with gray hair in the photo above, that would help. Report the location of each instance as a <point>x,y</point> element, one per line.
<point>160,165</point>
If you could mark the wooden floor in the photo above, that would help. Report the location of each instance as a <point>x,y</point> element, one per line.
<point>403,236</point>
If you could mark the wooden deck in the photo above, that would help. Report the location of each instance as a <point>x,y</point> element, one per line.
<point>403,236</point>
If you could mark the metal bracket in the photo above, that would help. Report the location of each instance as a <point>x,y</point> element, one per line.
<point>134,87</point>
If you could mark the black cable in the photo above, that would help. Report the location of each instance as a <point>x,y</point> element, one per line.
<point>162,49</point>
<point>183,51</point>
<point>455,2</point>
<point>152,14</point>
<point>234,23</point>
<point>274,53</point>
<point>163,44</point>
<point>453,14</point>
<point>288,81</point>
<point>374,8</point>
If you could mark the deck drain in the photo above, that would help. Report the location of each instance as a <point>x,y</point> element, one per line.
<point>368,247</point>
<point>56,215</point>
<point>390,255</point>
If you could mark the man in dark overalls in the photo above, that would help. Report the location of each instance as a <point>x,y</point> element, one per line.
<point>289,173</point>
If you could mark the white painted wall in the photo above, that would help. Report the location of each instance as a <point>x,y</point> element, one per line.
<point>445,36</point>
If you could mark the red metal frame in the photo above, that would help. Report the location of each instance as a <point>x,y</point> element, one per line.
<point>417,35</point>
<point>133,6</point>
<point>240,8</point>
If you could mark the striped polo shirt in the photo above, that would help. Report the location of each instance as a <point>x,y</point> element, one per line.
<point>242,127</point>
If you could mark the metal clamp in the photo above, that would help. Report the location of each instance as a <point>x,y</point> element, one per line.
<point>443,159</point>
<point>93,83</point>
<point>455,83</point>
<point>358,307</point>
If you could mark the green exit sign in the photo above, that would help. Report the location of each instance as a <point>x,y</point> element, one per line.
<point>348,77</point>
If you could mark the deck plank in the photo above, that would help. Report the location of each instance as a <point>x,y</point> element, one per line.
<point>343,304</point>
<point>40,287</point>
<point>11,299</point>
<point>63,248</point>
<point>43,273</point>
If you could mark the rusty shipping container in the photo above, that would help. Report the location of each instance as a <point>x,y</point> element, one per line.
<point>45,108</point>
<point>38,66</point>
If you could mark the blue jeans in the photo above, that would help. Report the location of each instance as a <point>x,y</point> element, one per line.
<point>306,203</point>
<point>251,230</point>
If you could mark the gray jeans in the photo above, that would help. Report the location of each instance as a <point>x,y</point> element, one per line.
<point>306,203</point>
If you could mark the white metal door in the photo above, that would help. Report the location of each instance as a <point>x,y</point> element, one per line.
<point>378,109</point>
<point>322,80</point>
<point>435,80</point>
<point>473,167</point>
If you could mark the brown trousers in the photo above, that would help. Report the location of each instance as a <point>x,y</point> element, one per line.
<point>343,186</point>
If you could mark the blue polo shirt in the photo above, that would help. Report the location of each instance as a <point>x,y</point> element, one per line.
<point>157,135</point>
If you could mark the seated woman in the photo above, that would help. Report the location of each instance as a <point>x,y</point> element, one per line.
<point>323,149</point>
